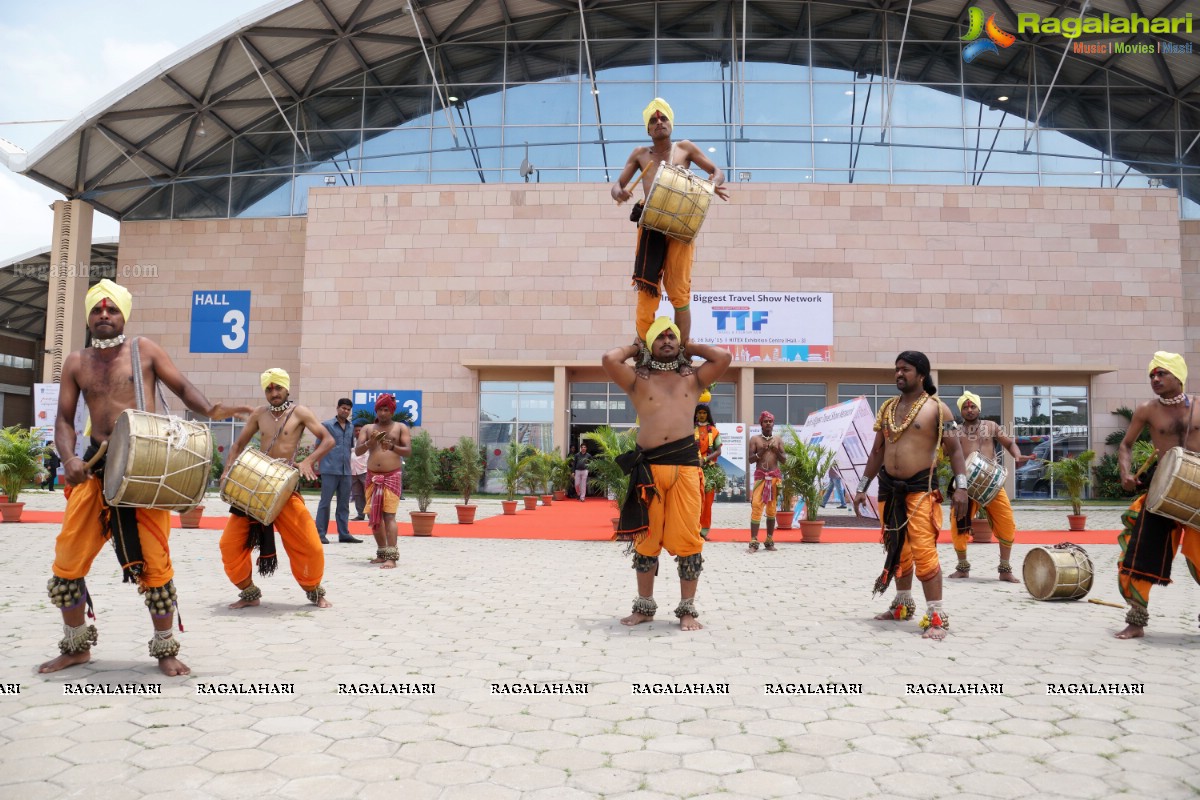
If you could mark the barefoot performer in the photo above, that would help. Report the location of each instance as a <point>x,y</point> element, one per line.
<point>766,453</point>
<point>1149,542</point>
<point>662,262</point>
<point>979,436</point>
<point>662,507</point>
<point>104,374</point>
<point>387,442</point>
<point>708,440</point>
<point>904,456</point>
<point>281,422</point>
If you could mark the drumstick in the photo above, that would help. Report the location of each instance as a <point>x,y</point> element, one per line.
<point>1104,603</point>
<point>99,455</point>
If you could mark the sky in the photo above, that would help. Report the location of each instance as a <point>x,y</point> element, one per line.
<point>57,59</point>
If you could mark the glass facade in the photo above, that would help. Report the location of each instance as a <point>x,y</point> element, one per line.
<point>790,403</point>
<point>520,410</point>
<point>1050,423</point>
<point>787,114</point>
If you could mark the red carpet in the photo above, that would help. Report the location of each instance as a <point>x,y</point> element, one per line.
<point>570,520</point>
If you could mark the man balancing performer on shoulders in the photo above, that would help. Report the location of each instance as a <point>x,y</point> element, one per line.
<point>980,436</point>
<point>662,262</point>
<point>282,422</point>
<point>662,507</point>
<point>1148,541</point>
<point>909,431</point>
<point>386,442</point>
<point>104,375</point>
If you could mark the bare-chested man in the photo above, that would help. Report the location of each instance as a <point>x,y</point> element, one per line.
<point>909,429</point>
<point>387,442</point>
<point>1149,542</point>
<point>662,508</point>
<point>281,424</point>
<point>104,374</point>
<point>980,436</point>
<point>662,262</point>
<point>766,454</point>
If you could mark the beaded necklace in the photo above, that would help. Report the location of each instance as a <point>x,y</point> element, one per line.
<point>104,344</point>
<point>894,433</point>
<point>1174,401</point>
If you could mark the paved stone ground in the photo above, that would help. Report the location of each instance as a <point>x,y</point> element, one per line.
<point>462,614</point>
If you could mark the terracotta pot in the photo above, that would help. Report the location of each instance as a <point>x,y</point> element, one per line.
<point>547,499</point>
<point>191,519</point>
<point>11,512</point>
<point>560,495</point>
<point>466,514</point>
<point>530,502</point>
<point>981,530</point>
<point>422,522</point>
<point>1076,522</point>
<point>509,506</point>
<point>810,531</point>
<point>783,520</point>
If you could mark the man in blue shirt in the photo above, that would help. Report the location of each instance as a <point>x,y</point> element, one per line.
<point>335,474</point>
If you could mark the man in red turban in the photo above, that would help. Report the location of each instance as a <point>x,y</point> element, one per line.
<point>387,442</point>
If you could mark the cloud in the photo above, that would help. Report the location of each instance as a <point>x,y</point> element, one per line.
<point>28,220</point>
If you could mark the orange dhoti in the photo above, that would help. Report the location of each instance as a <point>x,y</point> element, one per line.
<point>83,535</point>
<point>1154,541</point>
<point>919,531</point>
<point>674,513</point>
<point>675,279</point>
<point>1000,517</point>
<point>298,533</point>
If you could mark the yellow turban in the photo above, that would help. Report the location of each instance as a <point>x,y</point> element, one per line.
<point>277,376</point>
<point>118,295</point>
<point>657,104</point>
<point>969,397</point>
<point>1171,362</point>
<point>657,327</point>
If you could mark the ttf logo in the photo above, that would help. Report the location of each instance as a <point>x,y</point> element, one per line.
<point>757,319</point>
<point>976,28</point>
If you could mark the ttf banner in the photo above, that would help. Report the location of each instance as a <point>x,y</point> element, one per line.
<point>763,326</point>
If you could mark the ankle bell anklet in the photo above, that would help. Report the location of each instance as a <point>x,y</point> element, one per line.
<point>77,640</point>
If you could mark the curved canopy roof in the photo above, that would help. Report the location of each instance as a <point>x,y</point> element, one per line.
<point>175,121</point>
<point>24,286</point>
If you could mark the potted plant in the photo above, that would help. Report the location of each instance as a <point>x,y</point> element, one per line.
<point>531,479</point>
<point>420,477</point>
<point>21,455</point>
<point>804,471</point>
<point>543,467</point>
<point>511,474</point>
<point>465,471</point>
<point>564,476</point>
<point>981,527</point>
<point>1074,474</point>
<point>603,470</point>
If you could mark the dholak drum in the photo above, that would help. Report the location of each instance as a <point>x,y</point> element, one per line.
<point>259,485</point>
<point>1062,572</point>
<point>1175,489</point>
<point>985,478</point>
<point>677,203</point>
<point>155,461</point>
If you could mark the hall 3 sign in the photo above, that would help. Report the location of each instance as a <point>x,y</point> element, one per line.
<point>410,402</point>
<point>220,322</point>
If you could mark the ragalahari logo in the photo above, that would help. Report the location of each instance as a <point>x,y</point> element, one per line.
<point>977,28</point>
